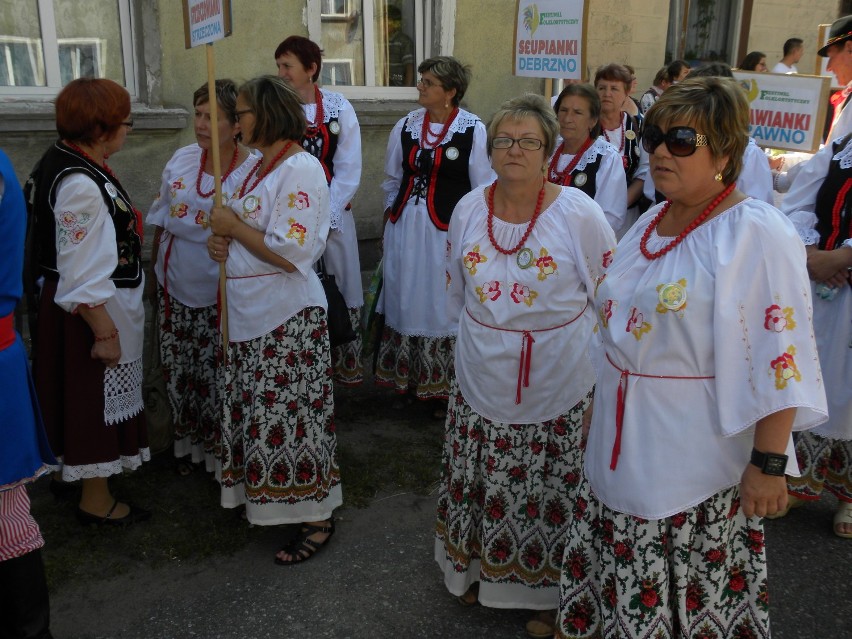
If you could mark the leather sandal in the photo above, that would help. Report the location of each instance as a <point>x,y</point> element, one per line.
<point>136,514</point>
<point>470,596</point>
<point>542,625</point>
<point>301,548</point>
<point>843,516</point>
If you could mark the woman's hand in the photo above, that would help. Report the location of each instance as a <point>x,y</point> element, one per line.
<point>217,248</point>
<point>830,267</point>
<point>107,350</point>
<point>762,494</point>
<point>223,220</point>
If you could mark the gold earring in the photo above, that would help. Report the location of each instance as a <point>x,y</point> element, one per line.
<point>718,177</point>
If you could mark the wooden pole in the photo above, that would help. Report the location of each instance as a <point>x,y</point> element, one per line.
<point>217,196</point>
<point>548,89</point>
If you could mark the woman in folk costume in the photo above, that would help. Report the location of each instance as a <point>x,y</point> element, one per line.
<point>702,377</point>
<point>622,130</point>
<point>279,448</point>
<point>333,136</point>
<point>819,207</point>
<point>435,155</point>
<point>187,280</point>
<point>88,362</point>
<point>583,159</point>
<point>524,258</point>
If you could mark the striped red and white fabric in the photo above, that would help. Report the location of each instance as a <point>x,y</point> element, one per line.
<point>19,532</point>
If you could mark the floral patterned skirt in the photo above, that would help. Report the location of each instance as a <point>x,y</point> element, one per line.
<point>506,496</point>
<point>188,338</point>
<point>346,358</point>
<point>700,573</point>
<point>421,365</point>
<point>825,464</point>
<point>279,449</point>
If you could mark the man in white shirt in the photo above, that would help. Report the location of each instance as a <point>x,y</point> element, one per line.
<point>793,50</point>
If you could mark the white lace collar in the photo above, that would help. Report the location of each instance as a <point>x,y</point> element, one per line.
<point>332,104</point>
<point>464,120</point>
<point>598,147</point>
<point>844,155</point>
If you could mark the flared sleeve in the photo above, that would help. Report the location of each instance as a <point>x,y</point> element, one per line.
<point>765,348</point>
<point>299,222</point>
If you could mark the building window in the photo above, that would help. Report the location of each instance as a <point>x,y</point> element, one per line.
<point>336,8</point>
<point>336,73</point>
<point>704,30</point>
<point>44,44</point>
<point>373,46</point>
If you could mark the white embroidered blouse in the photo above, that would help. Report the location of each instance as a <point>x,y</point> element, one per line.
<point>291,207</point>
<point>545,290</point>
<point>715,335</point>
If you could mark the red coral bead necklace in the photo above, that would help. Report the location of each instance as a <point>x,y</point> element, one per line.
<point>313,127</point>
<point>564,177</point>
<point>426,132</point>
<point>248,189</point>
<point>530,226</point>
<point>230,170</point>
<point>643,243</point>
<point>103,164</point>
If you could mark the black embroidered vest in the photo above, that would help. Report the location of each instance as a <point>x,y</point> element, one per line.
<point>323,145</point>
<point>439,175</point>
<point>834,202</point>
<point>586,180</point>
<point>60,162</point>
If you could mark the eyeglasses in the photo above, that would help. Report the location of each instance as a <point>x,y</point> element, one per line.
<point>681,141</point>
<point>128,124</point>
<point>239,114</point>
<point>428,83</point>
<point>527,144</point>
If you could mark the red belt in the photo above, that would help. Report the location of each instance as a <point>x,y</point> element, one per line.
<point>621,395</point>
<point>167,309</point>
<point>527,341</point>
<point>7,331</point>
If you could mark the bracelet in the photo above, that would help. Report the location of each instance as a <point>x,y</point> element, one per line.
<point>112,335</point>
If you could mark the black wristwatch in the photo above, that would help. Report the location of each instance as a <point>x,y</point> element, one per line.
<point>769,463</point>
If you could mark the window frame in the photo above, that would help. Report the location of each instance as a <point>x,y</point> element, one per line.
<point>50,54</point>
<point>425,29</point>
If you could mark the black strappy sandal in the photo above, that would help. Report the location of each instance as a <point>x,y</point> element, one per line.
<point>301,548</point>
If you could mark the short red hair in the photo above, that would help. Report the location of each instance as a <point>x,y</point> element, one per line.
<point>90,108</point>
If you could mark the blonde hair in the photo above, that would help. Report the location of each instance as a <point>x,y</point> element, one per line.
<point>528,105</point>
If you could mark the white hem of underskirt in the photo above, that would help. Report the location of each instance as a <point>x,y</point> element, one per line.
<point>105,469</point>
<point>494,595</point>
<point>276,514</point>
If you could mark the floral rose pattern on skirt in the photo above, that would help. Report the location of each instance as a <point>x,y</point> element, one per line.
<point>346,358</point>
<point>278,438</point>
<point>188,338</point>
<point>423,365</point>
<point>825,463</point>
<point>505,500</point>
<point>700,573</point>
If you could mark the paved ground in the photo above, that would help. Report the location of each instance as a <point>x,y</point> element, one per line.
<point>378,579</point>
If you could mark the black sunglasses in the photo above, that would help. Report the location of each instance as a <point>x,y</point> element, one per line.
<point>681,141</point>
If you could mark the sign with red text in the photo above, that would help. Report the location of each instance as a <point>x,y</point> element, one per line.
<point>205,21</point>
<point>786,111</point>
<point>550,39</point>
